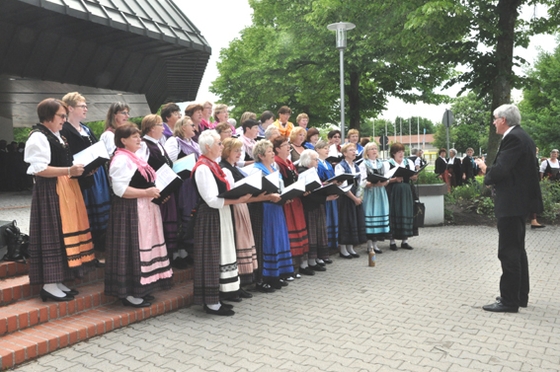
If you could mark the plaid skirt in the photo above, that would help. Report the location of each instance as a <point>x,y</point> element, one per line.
<point>401,205</point>
<point>245,244</point>
<point>215,266</point>
<point>256,215</point>
<point>331,209</point>
<point>317,228</point>
<point>48,262</point>
<point>170,224</point>
<point>136,258</point>
<point>98,204</point>
<point>351,223</point>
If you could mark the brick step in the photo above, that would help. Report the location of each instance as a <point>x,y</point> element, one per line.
<point>10,269</point>
<point>18,288</point>
<point>28,313</point>
<point>22,346</point>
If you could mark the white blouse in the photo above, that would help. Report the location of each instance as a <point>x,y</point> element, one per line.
<point>172,148</point>
<point>387,166</point>
<point>121,172</point>
<point>38,152</point>
<point>108,138</point>
<point>207,187</point>
<point>552,165</point>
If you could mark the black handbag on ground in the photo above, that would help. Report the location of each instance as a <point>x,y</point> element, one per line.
<point>419,213</point>
<point>18,243</point>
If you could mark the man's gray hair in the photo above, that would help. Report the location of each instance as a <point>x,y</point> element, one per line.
<point>414,151</point>
<point>510,113</point>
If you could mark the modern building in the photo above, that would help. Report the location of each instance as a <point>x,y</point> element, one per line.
<point>143,52</point>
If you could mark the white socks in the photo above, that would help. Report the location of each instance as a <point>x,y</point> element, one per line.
<point>343,250</point>
<point>350,249</point>
<point>53,289</point>
<point>62,287</point>
<point>320,261</point>
<point>183,253</point>
<point>134,300</point>
<point>312,262</point>
<point>214,307</point>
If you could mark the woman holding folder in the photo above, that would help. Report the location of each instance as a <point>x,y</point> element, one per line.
<point>94,186</point>
<point>376,204</point>
<point>326,171</point>
<point>178,147</point>
<point>215,263</point>
<point>59,237</point>
<point>136,263</point>
<point>152,132</point>
<point>351,228</point>
<point>401,202</point>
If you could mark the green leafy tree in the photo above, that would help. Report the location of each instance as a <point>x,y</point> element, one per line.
<point>288,57</point>
<point>480,35</point>
<point>440,136</point>
<point>540,107</point>
<point>471,115</point>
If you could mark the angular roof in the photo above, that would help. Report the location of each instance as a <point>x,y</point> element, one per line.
<point>138,46</point>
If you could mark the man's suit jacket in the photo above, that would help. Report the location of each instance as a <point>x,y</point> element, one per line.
<point>515,179</point>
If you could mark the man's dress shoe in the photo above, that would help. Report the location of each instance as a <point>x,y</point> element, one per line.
<point>499,307</point>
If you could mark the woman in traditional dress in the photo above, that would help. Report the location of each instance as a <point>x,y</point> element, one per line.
<point>326,171</point>
<point>295,218</point>
<point>194,111</point>
<point>351,227</point>
<point>170,113</point>
<point>311,138</point>
<point>247,263</point>
<point>250,132</point>
<point>376,204</point>
<point>315,216</point>
<point>136,255</point>
<point>95,186</point>
<point>297,138</point>
<point>177,147</point>
<point>60,242</point>
<point>118,114</point>
<point>152,132</point>
<point>334,138</point>
<point>215,265</point>
<point>401,202</point>
<point>276,256</point>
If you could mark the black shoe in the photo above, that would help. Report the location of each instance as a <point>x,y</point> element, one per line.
<point>265,288</point>
<point>320,263</point>
<point>306,271</point>
<point>47,295</point>
<point>377,250</point>
<point>343,256</point>
<point>233,299</point>
<point>499,307</point>
<point>521,304</point>
<point>275,284</point>
<point>393,247</point>
<point>318,268</point>
<point>244,294</point>
<point>98,263</point>
<point>227,306</point>
<point>72,292</point>
<point>283,282</point>
<point>144,303</point>
<point>406,246</point>
<point>180,263</point>
<point>537,226</point>
<point>327,261</point>
<point>148,298</point>
<point>222,311</point>
<point>355,255</point>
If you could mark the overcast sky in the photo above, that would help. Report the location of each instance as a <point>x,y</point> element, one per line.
<point>220,21</point>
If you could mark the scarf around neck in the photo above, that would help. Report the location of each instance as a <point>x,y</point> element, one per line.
<point>188,147</point>
<point>214,168</point>
<point>143,167</point>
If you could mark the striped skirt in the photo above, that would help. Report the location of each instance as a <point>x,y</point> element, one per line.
<point>277,257</point>
<point>136,256</point>
<point>48,232</point>
<point>401,205</point>
<point>351,223</point>
<point>256,215</point>
<point>331,209</point>
<point>317,228</point>
<point>297,228</point>
<point>215,266</point>
<point>98,204</point>
<point>245,244</point>
<point>376,211</point>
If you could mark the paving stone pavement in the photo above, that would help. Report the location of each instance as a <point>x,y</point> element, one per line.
<point>417,310</point>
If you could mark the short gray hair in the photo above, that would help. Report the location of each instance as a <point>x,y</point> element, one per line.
<point>414,151</point>
<point>207,138</point>
<point>321,144</point>
<point>510,113</point>
<point>307,156</point>
<point>268,133</point>
<point>452,151</point>
<point>260,149</point>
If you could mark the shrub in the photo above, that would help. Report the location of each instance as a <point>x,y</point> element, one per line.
<point>551,199</point>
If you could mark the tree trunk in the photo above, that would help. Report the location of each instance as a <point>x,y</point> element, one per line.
<point>501,90</point>
<point>354,100</point>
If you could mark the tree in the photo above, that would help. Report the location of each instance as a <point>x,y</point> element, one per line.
<point>287,56</point>
<point>480,35</point>
<point>440,136</point>
<point>471,115</point>
<point>540,107</point>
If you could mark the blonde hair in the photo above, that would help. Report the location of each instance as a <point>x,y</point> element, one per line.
<point>178,130</point>
<point>346,146</point>
<point>73,98</point>
<point>149,122</point>
<point>230,144</point>
<point>353,131</point>
<point>295,132</point>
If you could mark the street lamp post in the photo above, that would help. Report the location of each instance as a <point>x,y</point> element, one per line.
<point>340,28</point>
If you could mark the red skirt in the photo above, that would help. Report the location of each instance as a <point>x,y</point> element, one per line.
<point>297,228</point>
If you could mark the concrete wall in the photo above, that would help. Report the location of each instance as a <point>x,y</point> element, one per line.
<point>6,129</point>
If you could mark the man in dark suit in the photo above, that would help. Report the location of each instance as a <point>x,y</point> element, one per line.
<point>517,192</point>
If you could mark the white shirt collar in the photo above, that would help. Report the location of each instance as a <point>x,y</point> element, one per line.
<point>509,130</point>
